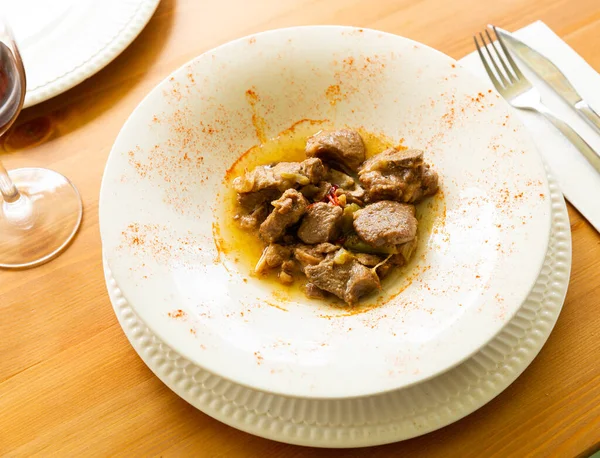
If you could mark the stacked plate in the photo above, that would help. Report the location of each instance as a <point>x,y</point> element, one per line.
<point>473,310</point>
<point>64,42</point>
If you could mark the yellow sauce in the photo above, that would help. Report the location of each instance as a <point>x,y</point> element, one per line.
<point>244,248</point>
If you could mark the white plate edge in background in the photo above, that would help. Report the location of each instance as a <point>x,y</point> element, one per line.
<point>65,77</point>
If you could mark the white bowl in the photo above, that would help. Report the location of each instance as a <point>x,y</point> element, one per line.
<point>163,185</point>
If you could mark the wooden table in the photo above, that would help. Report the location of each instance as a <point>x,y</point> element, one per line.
<point>70,383</point>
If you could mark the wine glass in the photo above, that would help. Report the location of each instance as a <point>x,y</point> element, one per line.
<point>40,210</point>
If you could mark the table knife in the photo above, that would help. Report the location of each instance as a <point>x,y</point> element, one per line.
<point>551,74</point>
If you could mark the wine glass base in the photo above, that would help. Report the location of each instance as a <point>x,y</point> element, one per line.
<point>41,224</point>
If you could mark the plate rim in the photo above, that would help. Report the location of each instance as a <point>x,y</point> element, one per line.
<point>228,403</point>
<point>97,61</point>
<point>524,131</point>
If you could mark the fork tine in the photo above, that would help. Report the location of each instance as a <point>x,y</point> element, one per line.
<point>502,60</point>
<point>505,82</point>
<point>489,71</point>
<point>507,54</point>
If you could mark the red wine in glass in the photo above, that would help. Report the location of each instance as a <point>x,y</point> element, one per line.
<point>40,210</point>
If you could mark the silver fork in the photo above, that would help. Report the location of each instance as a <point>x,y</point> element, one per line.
<point>520,93</point>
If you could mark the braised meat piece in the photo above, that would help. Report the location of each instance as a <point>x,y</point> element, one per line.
<point>405,251</point>
<point>273,256</point>
<point>321,223</point>
<point>250,200</point>
<point>253,219</point>
<point>386,223</point>
<point>398,175</point>
<point>253,207</point>
<point>429,181</point>
<point>282,176</point>
<point>369,260</point>
<point>400,259</point>
<point>384,269</point>
<point>286,273</point>
<point>313,169</point>
<point>308,255</point>
<point>313,291</point>
<point>335,219</point>
<point>288,210</point>
<point>323,189</point>
<point>344,147</point>
<point>316,192</point>
<point>341,274</point>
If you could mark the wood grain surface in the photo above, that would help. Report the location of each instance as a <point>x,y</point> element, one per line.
<point>70,383</point>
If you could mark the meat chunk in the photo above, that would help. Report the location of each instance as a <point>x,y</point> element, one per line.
<point>384,269</point>
<point>347,278</point>
<point>313,254</point>
<point>284,175</point>
<point>313,292</point>
<point>250,200</point>
<point>386,223</point>
<point>316,192</point>
<point>398,175</point>
<point>429,183</point>
<point>288,210</point>
<point>404,254</point>
<point>406,250</point>
<point>252,220</point>
<point>369,260</point>
<point>313,169</point>
<point>321,223</point>
<point>344,147</point>
<point>253,207</point>
<point>323,189</point>
<point>346,248</point>
<point>273,256</point>
<point>326,248</point>
<point>290,265</point>
<point>285,278</point>
<point>286,274</point>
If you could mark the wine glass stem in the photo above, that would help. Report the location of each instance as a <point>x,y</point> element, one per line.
<point>7,188</point>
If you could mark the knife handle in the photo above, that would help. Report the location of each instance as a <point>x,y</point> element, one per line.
<point>588,113</point>
<point>588,152</point>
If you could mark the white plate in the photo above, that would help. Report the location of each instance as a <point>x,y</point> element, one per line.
<point>382,419</point>
<point>160,198</point>
<point>64,42</point>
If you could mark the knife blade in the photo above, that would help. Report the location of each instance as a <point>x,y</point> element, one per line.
<point>552,75</point>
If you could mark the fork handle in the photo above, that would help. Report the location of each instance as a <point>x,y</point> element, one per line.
<point>584,148</point>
